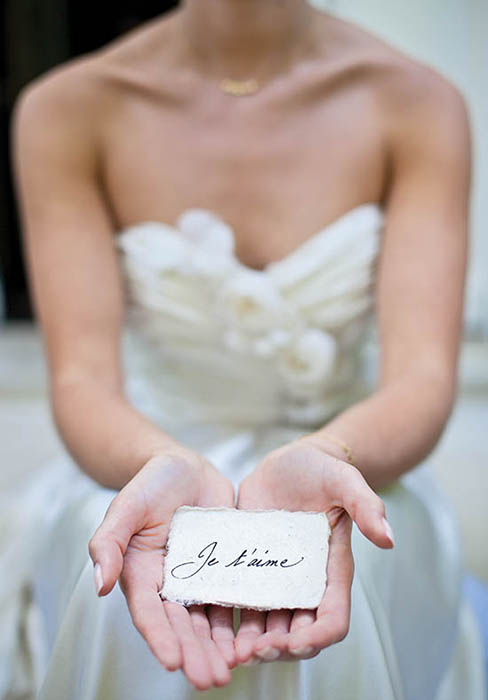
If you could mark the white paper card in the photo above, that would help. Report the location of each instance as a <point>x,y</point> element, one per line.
<point>261,559</point>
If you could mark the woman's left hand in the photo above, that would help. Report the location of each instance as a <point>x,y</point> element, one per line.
<point>303,476</point>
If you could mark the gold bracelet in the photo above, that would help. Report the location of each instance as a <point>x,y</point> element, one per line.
<point>339,442</point>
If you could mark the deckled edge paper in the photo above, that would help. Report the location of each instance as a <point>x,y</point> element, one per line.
<point>219,577</point>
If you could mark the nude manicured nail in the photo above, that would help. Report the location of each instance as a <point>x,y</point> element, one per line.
<point>388,530</point>
<point>251,662</point>
<point>268,653</point>
<point>301,651</point>
<point>97,575</point>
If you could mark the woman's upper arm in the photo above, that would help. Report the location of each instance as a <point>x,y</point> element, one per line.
<point>422,265</point>
<point>67,230</point>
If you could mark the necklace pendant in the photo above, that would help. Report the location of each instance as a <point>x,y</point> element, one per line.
<point>239,87</point>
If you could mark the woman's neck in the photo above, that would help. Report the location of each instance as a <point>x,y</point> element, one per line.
<point>244,38</point>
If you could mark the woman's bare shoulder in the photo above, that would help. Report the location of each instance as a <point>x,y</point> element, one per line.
<point>71,90</point>
<point>415,97</point>
<point>410,94</point>
<point>400,77</point>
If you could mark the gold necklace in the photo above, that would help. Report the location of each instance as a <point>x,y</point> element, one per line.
<point>239,87</point>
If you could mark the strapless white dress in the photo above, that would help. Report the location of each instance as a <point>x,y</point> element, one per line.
<point>234,362</point>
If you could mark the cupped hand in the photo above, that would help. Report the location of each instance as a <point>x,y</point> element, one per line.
<point>303,476</point>
<point>128,546</point>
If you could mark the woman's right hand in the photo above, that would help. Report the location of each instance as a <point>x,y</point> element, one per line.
<point>128,546</point>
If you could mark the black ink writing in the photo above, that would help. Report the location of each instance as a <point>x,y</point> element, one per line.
<point>209,561</point>
<point>242,559</point>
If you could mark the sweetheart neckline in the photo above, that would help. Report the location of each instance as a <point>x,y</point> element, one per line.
<point>366,206</point>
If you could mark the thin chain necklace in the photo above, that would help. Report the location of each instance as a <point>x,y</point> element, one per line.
<point>239,87</point>
<point>249,86</point>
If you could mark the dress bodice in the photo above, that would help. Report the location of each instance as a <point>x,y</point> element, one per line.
<point>214,340</point>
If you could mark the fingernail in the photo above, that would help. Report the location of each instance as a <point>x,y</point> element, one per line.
<point>301,651</point>
<point>388,530</point>
<point>268,653</point>
<point>97,575</point>
<point>251,662</point>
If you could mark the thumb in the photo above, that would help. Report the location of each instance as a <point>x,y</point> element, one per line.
<point>124,518</point>
<point>366,508</point>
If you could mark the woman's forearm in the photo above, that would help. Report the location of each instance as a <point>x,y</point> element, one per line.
<point>396,427</point>
<point>389,432</point>
<point>107,437</point>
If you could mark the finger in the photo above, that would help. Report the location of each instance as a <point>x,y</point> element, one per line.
<point>218,492</point>
<point>250,495</point>
<point>365,507</point>
<point>302,618</point>
<point>270,645</point>
<point>252,624</point>
<point>196,665</point>
<point>222,630</point>
<point>333,613</point>
<point>201,625</point>
<point>147,610</point>
<point>111,539</point>
<point>278,621</point>
<point>150,619</point>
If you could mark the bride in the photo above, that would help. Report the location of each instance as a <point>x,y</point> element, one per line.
<point>213,205</point>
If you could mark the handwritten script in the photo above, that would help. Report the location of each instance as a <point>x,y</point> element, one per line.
<point>261,559</point>
<point>206,558</point>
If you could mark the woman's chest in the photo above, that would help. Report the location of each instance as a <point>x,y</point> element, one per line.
<point>275,174</point>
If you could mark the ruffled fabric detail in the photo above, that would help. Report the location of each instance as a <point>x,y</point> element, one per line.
<point>301,319</point>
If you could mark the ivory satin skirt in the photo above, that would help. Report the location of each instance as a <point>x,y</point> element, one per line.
<point>412,634</point>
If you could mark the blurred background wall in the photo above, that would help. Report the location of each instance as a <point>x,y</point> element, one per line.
<point>450,35</point>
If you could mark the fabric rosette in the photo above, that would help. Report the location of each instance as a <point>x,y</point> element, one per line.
<point>153,247</point>
<point>199,244</point>
<point>307,362</point>
<point>176,269</point>
<point>210,242</point>
<point>255,315</point>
